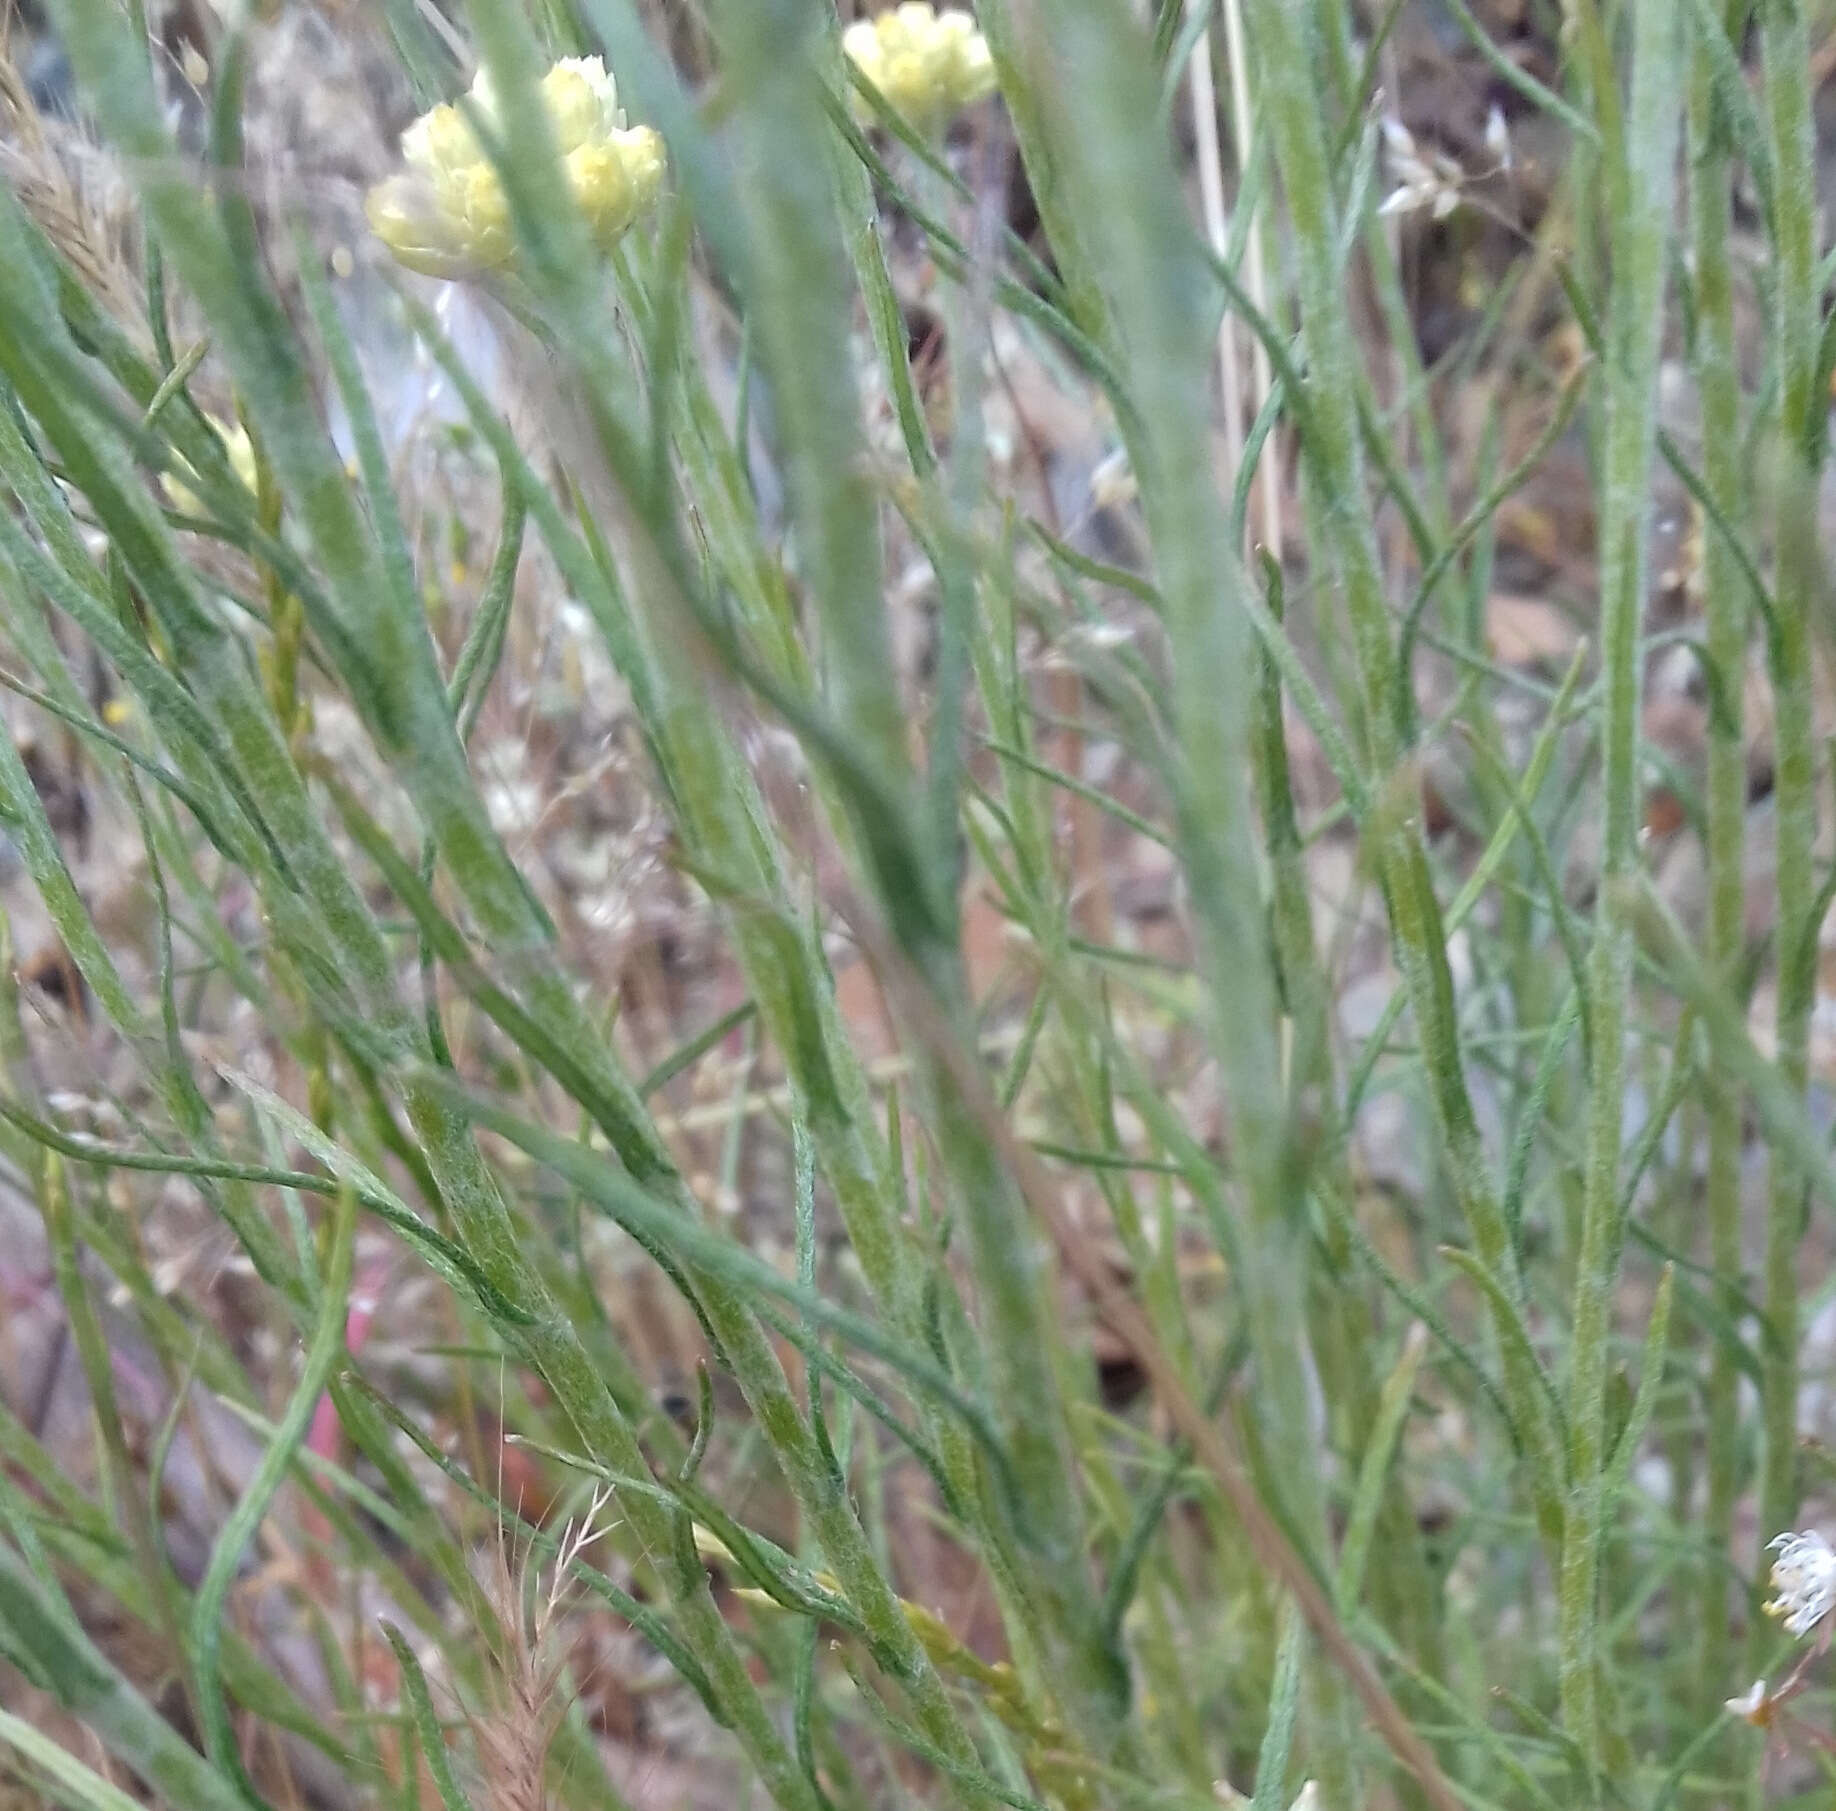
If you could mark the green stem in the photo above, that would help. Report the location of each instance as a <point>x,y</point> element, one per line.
<point>1095,85</point>
<point>207,1610</point>
<point>1727,776</point>
<point>1640,243</point>
<point>1801,434</point>
<point>1339,493</point>
<point>1342,1325</point>
<point>44,1633</point>
<point>98,1371</point>
<point>1149,273</point>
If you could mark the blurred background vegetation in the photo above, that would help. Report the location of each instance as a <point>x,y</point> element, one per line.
<point>904,909</point>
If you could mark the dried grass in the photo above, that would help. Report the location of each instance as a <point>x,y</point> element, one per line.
<point>69,185</point>
<point>531,1667</point>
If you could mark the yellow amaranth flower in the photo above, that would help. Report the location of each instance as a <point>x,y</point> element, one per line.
<point>928,64</point>
<point>241,451</point>
<point>446,214</point>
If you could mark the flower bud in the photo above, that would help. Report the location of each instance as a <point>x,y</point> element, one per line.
<point>446,214</point>
<point>929,65</point>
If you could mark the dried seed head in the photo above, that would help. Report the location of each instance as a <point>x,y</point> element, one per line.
<point>1498,138</point>
<point>1804,1576</point>
<point>1424,179</point>
<point>1753,1705</point>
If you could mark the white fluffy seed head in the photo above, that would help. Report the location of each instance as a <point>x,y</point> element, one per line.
<point>1804,1578</point>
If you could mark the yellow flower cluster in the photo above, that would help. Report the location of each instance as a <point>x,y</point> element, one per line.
<point>929,65</point>
<point>447,215</point>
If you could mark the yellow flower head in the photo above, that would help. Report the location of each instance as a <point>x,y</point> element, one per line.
<point>582,102</point>
<point>615,180</point>
<point>440,143</point>
<point>241,451</point>
<point>928,64</point>
<point>446,214</point>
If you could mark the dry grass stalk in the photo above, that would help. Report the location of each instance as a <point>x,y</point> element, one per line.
<point>514,1735</point>
<point>69,186</point>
